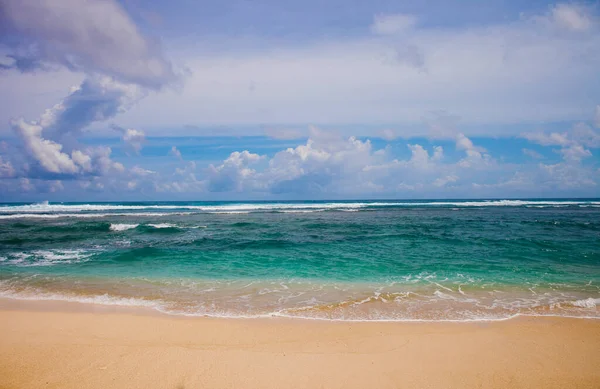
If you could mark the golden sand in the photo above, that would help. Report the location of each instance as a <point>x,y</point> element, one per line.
<point>70,348</point>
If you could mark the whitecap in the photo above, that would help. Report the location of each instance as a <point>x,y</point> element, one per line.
<point>122,227</point>
<point>163,225</point>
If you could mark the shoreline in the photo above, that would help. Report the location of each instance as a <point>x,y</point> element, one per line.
<point>71,346</point>
<point>66,306</point>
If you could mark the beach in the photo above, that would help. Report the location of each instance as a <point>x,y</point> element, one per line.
<point>70,345</point>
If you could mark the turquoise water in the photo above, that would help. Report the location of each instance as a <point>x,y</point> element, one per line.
<point>404,260</point>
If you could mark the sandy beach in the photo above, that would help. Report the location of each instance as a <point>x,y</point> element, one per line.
<point>51,345</point>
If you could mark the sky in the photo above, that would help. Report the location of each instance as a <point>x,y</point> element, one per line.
<point>131,100</point>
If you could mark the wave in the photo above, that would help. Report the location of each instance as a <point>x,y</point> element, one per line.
<point>67,210</point>
<point>275,299</point>
<point>122,227</point>
<point>87,215</point>
<point>104,299</point>
<point>47,257</point>
<point>163,225</point>
<point>590,303</point>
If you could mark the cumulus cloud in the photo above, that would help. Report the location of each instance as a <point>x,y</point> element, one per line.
<point>572,143</point>
<point>331,163</point>
<point>233,173</point>
<point>48,153</point>
<point>93,36</point>
<point>51,140</point>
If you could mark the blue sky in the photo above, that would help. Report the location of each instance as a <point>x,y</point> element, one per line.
<point>186,100</point>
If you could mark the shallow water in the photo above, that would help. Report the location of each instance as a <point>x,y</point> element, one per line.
<point>380,260</point>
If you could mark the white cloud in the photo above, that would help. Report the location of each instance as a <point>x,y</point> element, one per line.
<point>552,139</point>
<point>6,169</point>
<point>438,153</point>
<point>139,171</point>
<point>393,23</point>
<point>388,134</point>
<point>572,143</point>
<point>439,182</point>
<point>89,36</point>
<point>233,173</point>
<point>134,138</point>
<point>572,17</point>
<point>532,153</point>
<point>597,117</point>
<point>175,152</point>
<point>96,99</point>
<point>575,153</point>
<point>48,153</point>
<point>491,74</point>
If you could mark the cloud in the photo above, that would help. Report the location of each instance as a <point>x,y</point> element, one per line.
<point>484,74</point>
<point>532,153</point>
<point>572,17</point>
<point>597,117</point>
<point>48,153</point>
<point>393,23</point>
<point>552,139</point>
<point>89,36</point>
<point>175,152</point>
<point>329,163</point>
<point>572,143</point>
<point>134,139</point>
<point>97,99</point>
<point>388,134</point>
<point>233,173</point>
<point>575,153</point>
<point>139,171</point>
<point>439,182</point>
<point>6,169</point>
<point>51,141</point>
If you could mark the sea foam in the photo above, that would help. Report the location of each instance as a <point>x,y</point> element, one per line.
<point>122,227</point>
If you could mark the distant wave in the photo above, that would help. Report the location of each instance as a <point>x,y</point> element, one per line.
<point>86,215</point>
<point>122,227</point>
<point>45,210</point>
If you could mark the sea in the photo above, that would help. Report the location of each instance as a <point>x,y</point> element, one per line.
<point>421,260</point>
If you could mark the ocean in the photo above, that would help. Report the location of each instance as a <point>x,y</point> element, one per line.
<point>454,260</point>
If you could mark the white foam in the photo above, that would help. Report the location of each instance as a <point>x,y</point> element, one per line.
<point>229,212</point>
<point>87,215</point>
<point>245,207</point>
<point>48,257</point>
<point>587,303</point>
<point>122,227</point>
<point>163,225</point>
<point>104,299</point>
